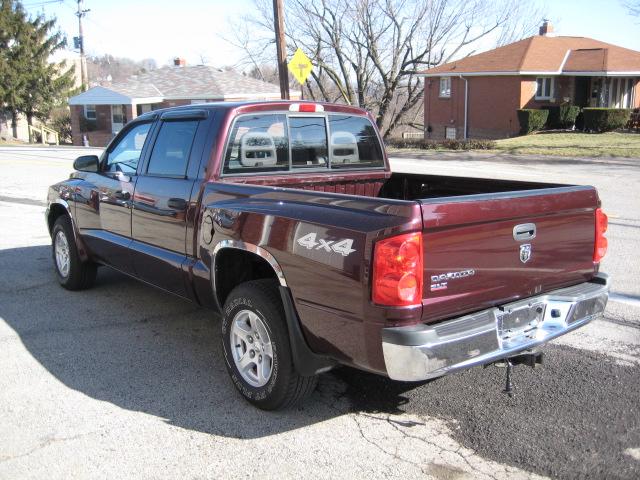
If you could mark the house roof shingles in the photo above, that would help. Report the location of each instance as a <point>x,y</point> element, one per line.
<point>546,54</point>
<point>179,83</point>
<point>193,82</point>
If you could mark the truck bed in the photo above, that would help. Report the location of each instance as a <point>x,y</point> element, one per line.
<point>405,186</point>
<point>471,259</point>
<point>468,225</point>
<point>397,186</point>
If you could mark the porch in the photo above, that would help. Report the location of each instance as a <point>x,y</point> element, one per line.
<point>98,114</point>
<point>601,91</point>
<point>95,125</point>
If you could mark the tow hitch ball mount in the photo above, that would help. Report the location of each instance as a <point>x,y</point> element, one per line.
<point>529,358</point>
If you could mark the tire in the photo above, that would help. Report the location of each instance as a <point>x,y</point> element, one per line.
<point>269,379</point>
<point>72,272</point>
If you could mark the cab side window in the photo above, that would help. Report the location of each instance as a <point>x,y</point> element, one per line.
<point>170,155</point>
<point>125,155</point>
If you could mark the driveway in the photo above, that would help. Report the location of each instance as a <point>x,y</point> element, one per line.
<point>124,380</point>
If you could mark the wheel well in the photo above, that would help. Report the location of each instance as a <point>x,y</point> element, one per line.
<point>55,211</point>
<point>234,266</point>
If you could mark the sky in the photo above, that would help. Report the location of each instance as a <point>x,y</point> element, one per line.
<point>196,29</point>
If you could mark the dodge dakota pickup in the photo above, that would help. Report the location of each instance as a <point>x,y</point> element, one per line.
<point>286,219</point>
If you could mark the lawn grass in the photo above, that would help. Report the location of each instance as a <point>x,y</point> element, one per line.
<point>573,144</point>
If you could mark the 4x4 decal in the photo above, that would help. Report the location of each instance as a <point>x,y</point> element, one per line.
<point>343,247</point>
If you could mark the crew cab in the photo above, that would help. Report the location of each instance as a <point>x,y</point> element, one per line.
<point>285,218</point>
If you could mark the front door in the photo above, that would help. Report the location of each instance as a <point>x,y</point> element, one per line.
<point>582,91</point>
<point>161,204</point>
<point>103,206</point>
<point>117,118</point>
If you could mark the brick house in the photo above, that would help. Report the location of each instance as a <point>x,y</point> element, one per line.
<point>477,96</point>
<point>101,112</point>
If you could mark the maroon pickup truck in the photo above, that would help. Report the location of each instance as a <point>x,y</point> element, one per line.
<point>285,217</point>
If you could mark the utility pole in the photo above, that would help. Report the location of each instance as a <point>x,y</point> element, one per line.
<point>83,61</point>
<point>281,47</point>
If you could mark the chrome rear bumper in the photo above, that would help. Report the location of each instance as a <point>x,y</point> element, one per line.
<point>421,352</point>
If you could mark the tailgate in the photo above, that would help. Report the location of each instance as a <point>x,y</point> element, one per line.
<point>473,259</point>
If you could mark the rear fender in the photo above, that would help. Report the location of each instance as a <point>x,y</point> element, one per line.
<point>306,362</point>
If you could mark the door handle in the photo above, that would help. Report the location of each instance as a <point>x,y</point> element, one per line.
<point>524,231</point>
<point>177,203</point>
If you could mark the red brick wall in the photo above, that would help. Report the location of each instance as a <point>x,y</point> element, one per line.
<point>442,112</point>
<point>102,133</point>
<point>563,87</point>
<point>98,138</point>
<point>492,105</point>
<point>76,112</point>
<point>103,117</point>
<point>174,103</point>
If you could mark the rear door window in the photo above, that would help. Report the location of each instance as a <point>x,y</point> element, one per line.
<point>308,136</point>
<point>258,143</point>
<point>170,155</point>
<point>354,142</point>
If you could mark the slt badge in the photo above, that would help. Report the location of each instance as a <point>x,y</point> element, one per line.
<point>525,252</point>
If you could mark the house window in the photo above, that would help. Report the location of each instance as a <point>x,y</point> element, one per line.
<point>90,112</point>
<point>445,87</point>
<point>450,133</point>
<point>143,108</point>
<point>617,93</point>
<point>544,90</point>
<point>117,114</point>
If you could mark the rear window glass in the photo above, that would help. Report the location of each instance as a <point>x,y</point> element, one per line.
<point>308,142</point>
<point>273,142</point>
<point>258,143</point>
<point>354,142</point>
<point>170,154</point>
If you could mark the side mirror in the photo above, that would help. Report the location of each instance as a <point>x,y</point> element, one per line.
<point>86,163</point>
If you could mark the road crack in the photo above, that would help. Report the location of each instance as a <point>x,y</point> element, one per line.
<point>44,444</point>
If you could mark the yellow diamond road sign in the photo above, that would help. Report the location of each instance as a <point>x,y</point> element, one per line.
<point>300,66</point>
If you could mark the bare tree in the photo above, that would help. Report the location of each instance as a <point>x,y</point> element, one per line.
<point>370,52</point>
<point>633,7</point>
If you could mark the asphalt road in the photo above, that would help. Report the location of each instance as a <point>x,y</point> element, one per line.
<point>126,381</point>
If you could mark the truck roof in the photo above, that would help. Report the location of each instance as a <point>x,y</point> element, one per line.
<point>261,106</point>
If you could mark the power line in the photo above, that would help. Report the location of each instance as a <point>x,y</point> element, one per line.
<point>40,4</point>
<point>72,7</point>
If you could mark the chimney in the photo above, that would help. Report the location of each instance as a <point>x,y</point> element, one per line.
<point>179,62</point>
<point>546,30</point>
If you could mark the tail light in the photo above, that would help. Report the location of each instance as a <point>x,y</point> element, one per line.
<point>600,246</point>
<point>397,270</point>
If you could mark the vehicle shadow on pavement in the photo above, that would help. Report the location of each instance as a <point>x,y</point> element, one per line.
<point>147,351</point>
<point>140,349</point>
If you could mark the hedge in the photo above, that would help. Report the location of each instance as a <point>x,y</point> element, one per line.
<point>605,119</point>
<point>451,144</point>
<point>532,120</point>
<point>562,116</point>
